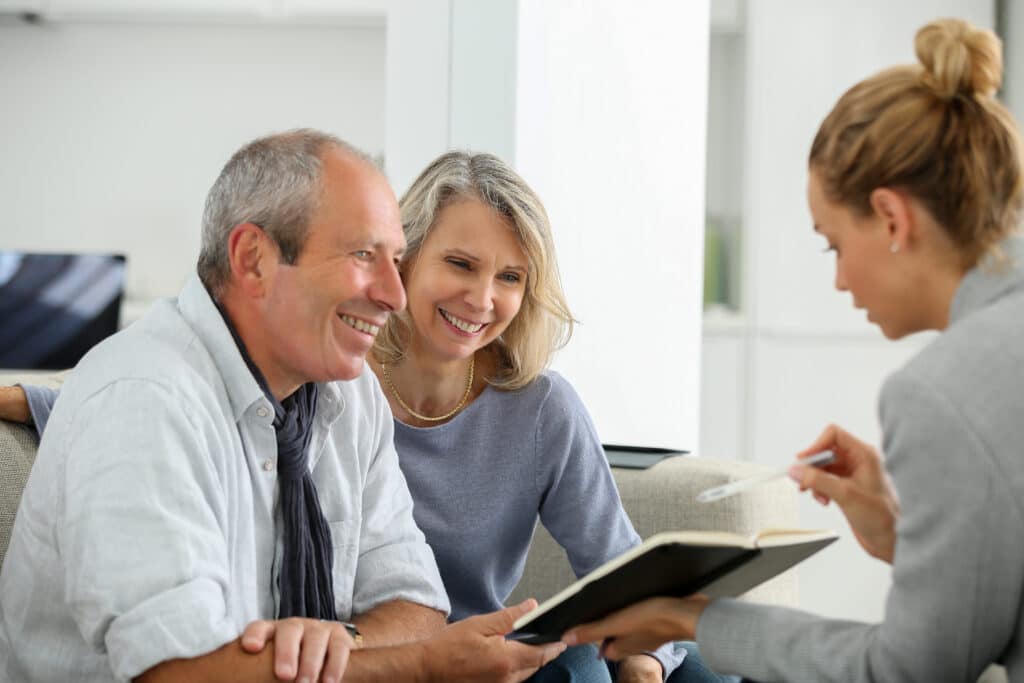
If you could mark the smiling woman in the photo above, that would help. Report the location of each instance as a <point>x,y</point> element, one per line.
<point>488,439</point>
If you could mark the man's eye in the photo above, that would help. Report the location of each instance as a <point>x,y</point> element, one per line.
<point>362,253</point>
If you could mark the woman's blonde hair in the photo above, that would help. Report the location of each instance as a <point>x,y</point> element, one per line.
<point>935,130</point>
<point>544,323</point>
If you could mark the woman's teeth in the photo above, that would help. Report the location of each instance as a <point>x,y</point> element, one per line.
<point>463,325</point>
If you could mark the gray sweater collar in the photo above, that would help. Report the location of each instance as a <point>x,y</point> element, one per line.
<point>990,280</point>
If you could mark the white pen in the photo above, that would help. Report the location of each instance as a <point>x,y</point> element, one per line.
<point>725,490</point>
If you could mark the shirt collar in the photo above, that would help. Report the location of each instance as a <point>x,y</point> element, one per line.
<point>244,391</point>
<point>199,309</point>
<point>990,280</point>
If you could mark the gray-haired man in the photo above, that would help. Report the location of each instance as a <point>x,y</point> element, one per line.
<point>205,470</point>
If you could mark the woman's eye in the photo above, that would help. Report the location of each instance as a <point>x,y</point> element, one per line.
<point>459,263</point>
<point>510,277</point>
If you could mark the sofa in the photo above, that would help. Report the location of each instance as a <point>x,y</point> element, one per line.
<point>657,499</point>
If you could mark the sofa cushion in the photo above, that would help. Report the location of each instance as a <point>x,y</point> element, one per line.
<point>18,445</point>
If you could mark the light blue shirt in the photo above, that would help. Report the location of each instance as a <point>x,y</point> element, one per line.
<point>149,527</point>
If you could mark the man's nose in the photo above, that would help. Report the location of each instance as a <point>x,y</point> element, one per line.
<point>388,291</point>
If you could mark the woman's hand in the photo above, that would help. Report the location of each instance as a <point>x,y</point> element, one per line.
<point>859,484</point>
<point>14,405</point>
<point>640,669</point>
<point>642,627</point>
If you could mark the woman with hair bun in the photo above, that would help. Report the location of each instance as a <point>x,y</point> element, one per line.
<point>915,182</point>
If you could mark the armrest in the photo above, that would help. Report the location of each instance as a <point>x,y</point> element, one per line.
<point>18,445</point>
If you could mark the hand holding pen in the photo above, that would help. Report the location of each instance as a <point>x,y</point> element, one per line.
<point>857,481</point>
<point>732,488</point>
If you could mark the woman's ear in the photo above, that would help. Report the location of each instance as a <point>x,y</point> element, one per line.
<point>893,209</point>
<point>249,253</point>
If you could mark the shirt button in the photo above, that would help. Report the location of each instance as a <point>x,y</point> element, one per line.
<point>268,465</point>
<point>262,412</point>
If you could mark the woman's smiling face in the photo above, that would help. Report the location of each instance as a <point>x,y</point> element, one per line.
<point>466,283</point>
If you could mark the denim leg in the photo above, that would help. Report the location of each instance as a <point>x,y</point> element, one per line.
<point>576,665</point>
<point>694,670</point>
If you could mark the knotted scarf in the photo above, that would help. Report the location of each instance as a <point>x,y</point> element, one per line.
<point>307,589</point>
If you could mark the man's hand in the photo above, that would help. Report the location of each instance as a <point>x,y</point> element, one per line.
<point>642,627</point>
<point>475,649</point>
<point>859,484</point>
<point>14,405</point>
<point>640,669</point>
<point>306,650</point>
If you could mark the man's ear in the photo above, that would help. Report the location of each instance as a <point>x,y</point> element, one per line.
<point>251,255</point>
<point>894,210</point>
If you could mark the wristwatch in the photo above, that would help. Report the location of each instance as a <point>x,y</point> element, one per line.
<point>353,631</point>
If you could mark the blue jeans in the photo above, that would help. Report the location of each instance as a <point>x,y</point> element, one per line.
<point>580,665</point>
<point>576,665</point>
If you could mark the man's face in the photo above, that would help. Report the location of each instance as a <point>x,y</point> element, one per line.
<point>321,314</point>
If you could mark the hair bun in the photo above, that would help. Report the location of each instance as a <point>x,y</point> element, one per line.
<point>959,59</point>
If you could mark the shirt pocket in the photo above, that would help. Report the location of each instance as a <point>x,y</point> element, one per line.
<point>345,541</point>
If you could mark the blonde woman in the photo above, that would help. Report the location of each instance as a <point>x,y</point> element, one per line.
<point>489,440</point>
<point>915,183</point>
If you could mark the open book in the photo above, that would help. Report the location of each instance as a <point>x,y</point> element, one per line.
<point>674,563</point>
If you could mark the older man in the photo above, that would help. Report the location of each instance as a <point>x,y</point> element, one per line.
<point>205,470</point>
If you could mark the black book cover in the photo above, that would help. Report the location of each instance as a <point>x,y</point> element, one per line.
<point>665,566</point>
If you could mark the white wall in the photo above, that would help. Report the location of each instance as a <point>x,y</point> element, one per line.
<point>113,132</point>
<point>118,115</point>
<point>417,80</point>
<point>610,130</point>
<point>484,37</point>
<point>1013,57</point>
<point>800,355</point>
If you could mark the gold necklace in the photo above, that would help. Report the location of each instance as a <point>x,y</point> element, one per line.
<point>461,404</point>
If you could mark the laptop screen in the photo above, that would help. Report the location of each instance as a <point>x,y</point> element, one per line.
<point>55,307</point>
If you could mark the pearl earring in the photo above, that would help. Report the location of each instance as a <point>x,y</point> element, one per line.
<point>893,248</point>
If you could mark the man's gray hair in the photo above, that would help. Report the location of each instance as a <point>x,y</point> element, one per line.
<point>273,182</point>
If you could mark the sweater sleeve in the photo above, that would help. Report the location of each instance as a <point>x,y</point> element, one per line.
<point>580,503</point>
<point>957,582</point>
<point>40,404</point>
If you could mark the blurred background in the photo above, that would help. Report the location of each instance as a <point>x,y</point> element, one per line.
<point>668,140</point>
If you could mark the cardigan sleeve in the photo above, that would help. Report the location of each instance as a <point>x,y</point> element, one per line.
<point>40,404</point>
<point>580,503</point>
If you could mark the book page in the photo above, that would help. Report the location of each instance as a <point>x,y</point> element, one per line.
<point>774,537</point>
